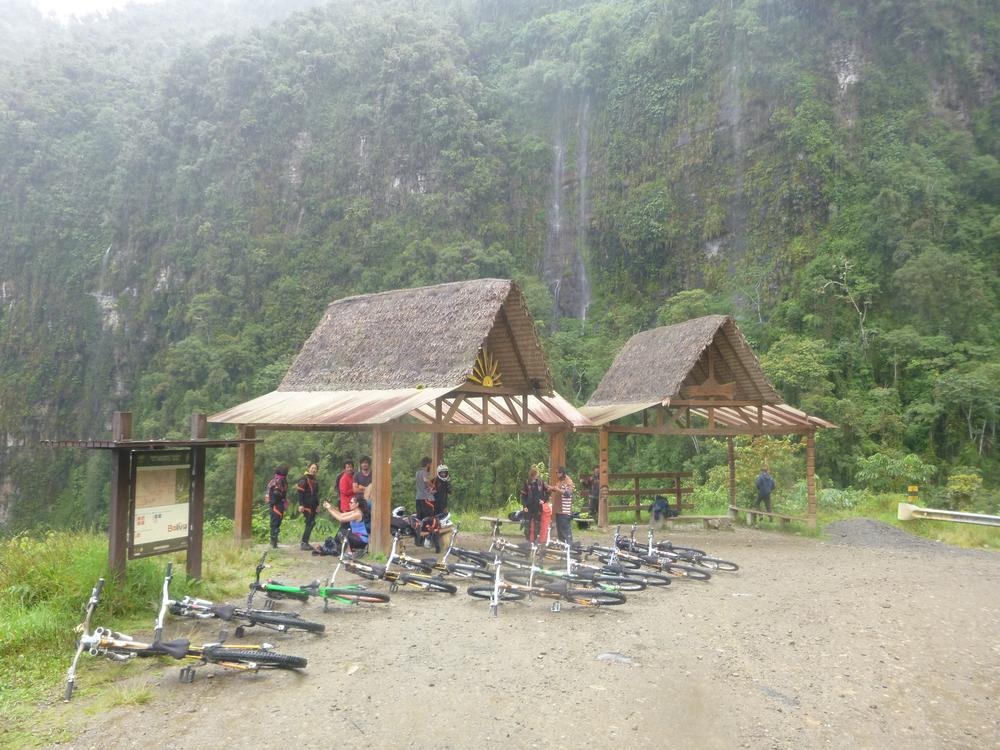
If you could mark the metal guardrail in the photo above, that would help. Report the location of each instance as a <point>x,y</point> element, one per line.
<point>908,512</point>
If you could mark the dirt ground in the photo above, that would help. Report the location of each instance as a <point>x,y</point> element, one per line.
<point>865,639</point>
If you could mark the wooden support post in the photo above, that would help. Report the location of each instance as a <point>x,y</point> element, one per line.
<point>381,535</point>
<point>636,500</point>
<point>196,512</point>
<point>602,452</point>
<point>557,458</point>
<point>731,450</point>
<point>121,480</point>
<point>811,478</point>
<point>678,494</point>
<point>243,510</point>
<point>437,450</point>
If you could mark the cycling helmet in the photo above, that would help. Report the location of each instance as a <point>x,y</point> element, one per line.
<point>399,512</point>
<point>442,471</point>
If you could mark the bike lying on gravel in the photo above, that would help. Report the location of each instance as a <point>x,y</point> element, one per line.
<point>682,555</point>
<point>395,578</point>
<point>280,621</point>
<point>504,590</point>
<point>474,568</point>
<point>351,594</point>
<point>662,564</point>
<point>121,647</point>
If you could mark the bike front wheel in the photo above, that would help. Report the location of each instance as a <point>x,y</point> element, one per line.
<point>280,621</point>
<point>686,571</point>
<point>356,596</point>
<point>465,570</point>
<point>252,656</point>
<point>427,583</point>
<point>594,597</point>
<point>714,563</point>
<point>486,592</point>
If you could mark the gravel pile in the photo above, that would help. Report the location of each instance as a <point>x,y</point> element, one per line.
<point>866,532</point>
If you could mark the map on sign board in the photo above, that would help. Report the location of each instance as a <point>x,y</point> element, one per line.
<point>161,502</point>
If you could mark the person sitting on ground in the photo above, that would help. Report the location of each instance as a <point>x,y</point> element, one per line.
<point>353,523</point>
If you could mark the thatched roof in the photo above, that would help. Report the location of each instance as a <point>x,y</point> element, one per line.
<point>655,365</point>
<point>421,338</point>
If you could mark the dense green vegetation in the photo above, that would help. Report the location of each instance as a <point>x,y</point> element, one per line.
<point>184,188</point>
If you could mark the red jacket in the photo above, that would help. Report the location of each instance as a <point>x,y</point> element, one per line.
<point>346,488</point>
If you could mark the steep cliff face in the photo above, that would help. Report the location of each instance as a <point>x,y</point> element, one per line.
<point>177,216</point>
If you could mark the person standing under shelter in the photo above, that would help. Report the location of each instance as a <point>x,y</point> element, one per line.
<point>308,489</point>
<point>345,486</point>
<point>564,489</point>
<point>362,478</point>
<point>532,496</point>
<point>424,489</point>
<point>765,486</point>
<point>594,491</point>
<point>276,497</point>
<point>442,488</point>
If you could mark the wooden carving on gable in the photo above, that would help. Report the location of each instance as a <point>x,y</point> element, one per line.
<point>486,371</point>
<point>710,387</point>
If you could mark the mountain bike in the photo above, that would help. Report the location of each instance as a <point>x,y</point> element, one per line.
<point>502,590</point>
<point>473,569</point>
<point>683,555</point>
<point>281,621</point>
<point>121,647</point>
<point>395,578</point>
<point>616,556</point>
<point>351,594</point>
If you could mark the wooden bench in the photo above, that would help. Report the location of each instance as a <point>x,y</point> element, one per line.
<point>709,522</point>
<point>752,514</point>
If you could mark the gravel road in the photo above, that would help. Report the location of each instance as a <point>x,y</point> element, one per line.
<point>868,638</point>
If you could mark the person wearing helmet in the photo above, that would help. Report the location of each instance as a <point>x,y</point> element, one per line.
<point>308,489</point>
<point>442,488</point>
<point>276,497</point>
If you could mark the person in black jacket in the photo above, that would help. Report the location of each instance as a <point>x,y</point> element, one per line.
<point>765,486</point>
<point>308,489</point>
<point>277,501</point>
<point>533,493</point>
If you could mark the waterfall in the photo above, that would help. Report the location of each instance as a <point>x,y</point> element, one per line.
<point>732,115</point>
<point>563,267</point>
<point>583,135</point>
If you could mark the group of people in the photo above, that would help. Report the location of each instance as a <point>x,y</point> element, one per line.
<point>352,510</point>
<point>539,500</point>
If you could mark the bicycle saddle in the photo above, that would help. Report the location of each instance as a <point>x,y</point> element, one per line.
<point>177,649</point>
<point>224,611</point>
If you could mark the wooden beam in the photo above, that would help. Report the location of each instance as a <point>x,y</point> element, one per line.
<point>453,408</point>
<point>731,454</point>
<point>513,343</point>
<point>718,431</point>
<point>811,478</point>
<point>121,480</point>
<point>511,409</point>
<point>437,449</point>
<point>243,510</point>
<point>381,534</point>
<point>196,511</point>
<point>557,455</point>
<point>602,453</point>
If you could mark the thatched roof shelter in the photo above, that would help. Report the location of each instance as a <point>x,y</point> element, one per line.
<point>705,360</point>
<point>699,377</point>
<point>462,357</point>
<point>412,356</point>
<point>421,338</point>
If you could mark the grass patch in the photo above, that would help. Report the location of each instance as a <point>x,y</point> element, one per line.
<point>45,582</point>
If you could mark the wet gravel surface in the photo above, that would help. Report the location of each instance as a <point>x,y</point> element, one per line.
<point>864,639</point>
<point>866,532</point>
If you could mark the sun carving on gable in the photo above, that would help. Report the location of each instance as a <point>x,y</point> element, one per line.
<point>486,371</point>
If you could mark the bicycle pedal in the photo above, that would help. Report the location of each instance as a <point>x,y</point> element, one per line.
<point>557,606</point>
<point>494,610</point>
<point>393,588</point>
<point>187,674</point>
<point>223,635</point>
<point>269,604</point>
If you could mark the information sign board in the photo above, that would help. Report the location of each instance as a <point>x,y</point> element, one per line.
<point>160,503</point>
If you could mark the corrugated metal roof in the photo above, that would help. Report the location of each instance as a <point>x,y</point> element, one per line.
<point>358,408</point>
<point>328,408</point>
<point>609,413</point>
